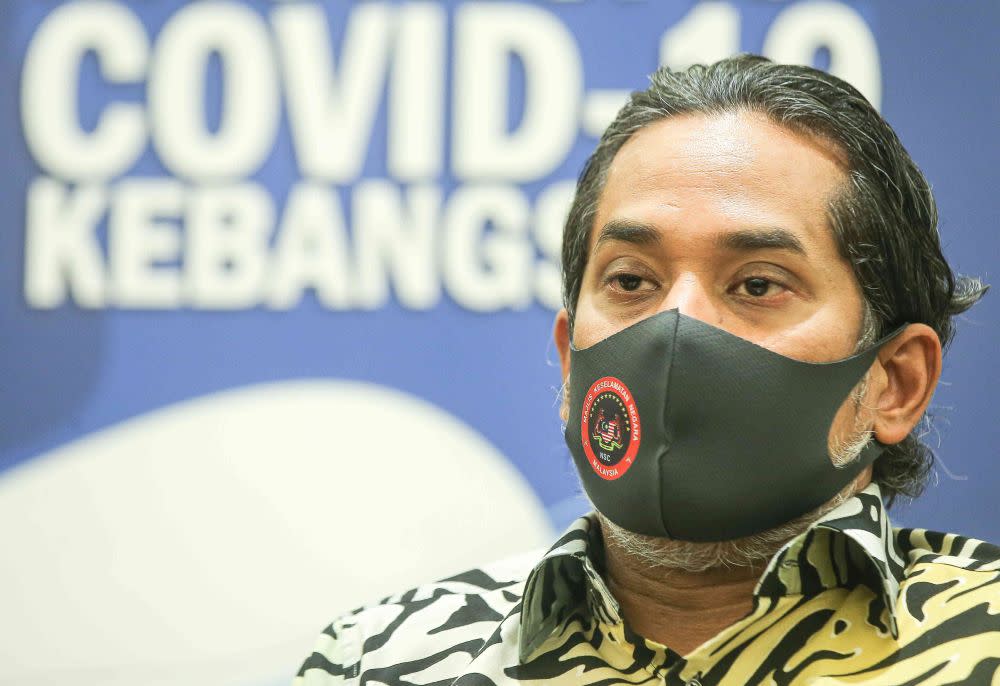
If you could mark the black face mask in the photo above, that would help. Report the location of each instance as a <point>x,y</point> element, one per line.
<point>685,431</point>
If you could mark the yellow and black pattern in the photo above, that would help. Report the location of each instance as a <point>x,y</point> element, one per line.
<point>851,601</point>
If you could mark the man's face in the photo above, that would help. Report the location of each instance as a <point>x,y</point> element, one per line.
<point>723,217</point>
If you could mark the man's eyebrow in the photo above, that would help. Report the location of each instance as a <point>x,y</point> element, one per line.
<point>746,240</point>
<point>629,232</point>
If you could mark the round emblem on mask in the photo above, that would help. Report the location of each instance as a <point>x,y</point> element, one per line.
<point>610,428</point>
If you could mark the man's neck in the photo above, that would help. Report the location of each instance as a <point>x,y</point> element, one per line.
<point>682,609</point>
<point>677,608</point>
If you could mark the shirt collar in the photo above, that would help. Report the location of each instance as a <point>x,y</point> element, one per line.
<point>562,582</point>
<point>851,544</point>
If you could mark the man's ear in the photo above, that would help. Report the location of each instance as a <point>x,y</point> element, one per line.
<point>912,365</point>
<point>560,332</point>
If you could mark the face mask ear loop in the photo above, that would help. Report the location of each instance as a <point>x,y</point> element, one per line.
<point>874,448</point>
<point>877,345</point>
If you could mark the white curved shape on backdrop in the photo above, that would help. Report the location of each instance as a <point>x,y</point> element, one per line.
<point>208,543</point>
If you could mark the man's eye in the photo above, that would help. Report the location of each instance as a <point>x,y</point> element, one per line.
<point>757,286</point>
<point>628,282</point>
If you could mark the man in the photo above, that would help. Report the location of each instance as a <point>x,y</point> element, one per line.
<point>755,308</point>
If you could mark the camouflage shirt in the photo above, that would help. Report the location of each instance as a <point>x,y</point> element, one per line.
<point>850,601</point>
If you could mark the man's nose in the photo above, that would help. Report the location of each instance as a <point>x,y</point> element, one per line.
<point>691,297</point>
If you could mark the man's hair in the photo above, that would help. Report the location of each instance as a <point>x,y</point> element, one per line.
<point>884,219</point>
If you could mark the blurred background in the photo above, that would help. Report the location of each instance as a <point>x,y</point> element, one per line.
<point>277,282</point>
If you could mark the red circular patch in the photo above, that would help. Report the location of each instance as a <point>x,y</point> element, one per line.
<point>609,428</point>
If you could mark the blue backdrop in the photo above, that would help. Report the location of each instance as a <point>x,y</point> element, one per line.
<point>208,197</point>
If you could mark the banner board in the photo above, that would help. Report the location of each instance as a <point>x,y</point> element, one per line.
<point>277,285</point>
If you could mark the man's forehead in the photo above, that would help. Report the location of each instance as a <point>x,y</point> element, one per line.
<point>739,167</point>
<point>728,143</point>
<point>702,142</point>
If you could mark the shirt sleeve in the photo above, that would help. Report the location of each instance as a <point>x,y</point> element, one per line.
<point>336,657</point>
